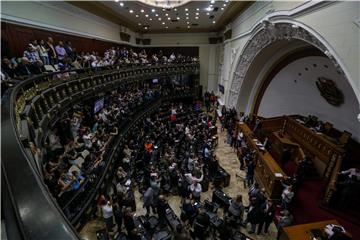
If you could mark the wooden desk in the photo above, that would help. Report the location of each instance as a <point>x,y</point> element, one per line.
<point>267,171</point>
<point>302,231</point>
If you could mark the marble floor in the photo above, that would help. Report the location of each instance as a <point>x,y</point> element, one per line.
<point>228,160</point>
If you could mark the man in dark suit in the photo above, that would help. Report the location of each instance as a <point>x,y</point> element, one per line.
<point>268,214</point>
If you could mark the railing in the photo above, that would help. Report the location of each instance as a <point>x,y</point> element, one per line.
<point>29,110</point>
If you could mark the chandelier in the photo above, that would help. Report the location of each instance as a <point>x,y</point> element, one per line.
<point>165,3</point>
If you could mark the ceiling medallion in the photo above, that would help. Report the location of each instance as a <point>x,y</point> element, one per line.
<point>165,3</point>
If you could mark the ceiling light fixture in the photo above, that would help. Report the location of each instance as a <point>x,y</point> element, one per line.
<point>121,4</point>
<point>210,6</point>
<point>187,22</point>
<point>146,15</point>
<point>207,13</point>
<point>169,18</point>
<point>222,8</point>
<point>186,9</point>
<point>159,19</point>
<point>187,17</point>
<point>188,27</point>
<point>213,21</point>
<point>224,5</point>
<point>175,9</point>
<point>142,10</point>
<point>197,13</point>
<point>131,11</point>
<point>136,15</point>
<point>145,28</point>
<point>163,23</point>
<point>197,9</point>
<point>139,24</point>
<point>187,14</point>
<point>212,1</point>
<point>150,19</point>
<point>178,18</point>
<point>116,0</point>
<point>166,27</point>
<point>156,15</point>
<point>166,14</point>
<point>196,17</point>
<point>152,10</point>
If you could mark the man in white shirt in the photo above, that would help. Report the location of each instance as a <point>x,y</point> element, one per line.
<point>196,190</point>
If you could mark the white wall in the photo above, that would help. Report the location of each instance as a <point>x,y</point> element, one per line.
<point>284,96</point>
<point>333,22</point>
<point>62,17</point>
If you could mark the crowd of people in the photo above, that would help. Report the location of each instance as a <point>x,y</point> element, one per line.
<point>170,154</point>
<point>76,153</point>
<point>39,54</point>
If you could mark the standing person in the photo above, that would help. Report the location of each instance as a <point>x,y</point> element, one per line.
<point>250,173</point>
<point>118,215</point>
<point>129,221</point>
<point>286,196</point>
<point>254,216</point>
<point>161,211</point>
<point>43,51</point>
<point>148,200</point>
<point>236,209</point>
<point>107,213</point>
<point>268,209</point>
<point>60,51</point>
<point>51,51</point>
<point>196,190</point>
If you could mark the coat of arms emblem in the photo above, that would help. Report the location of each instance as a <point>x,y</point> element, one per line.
<point>329,91</point>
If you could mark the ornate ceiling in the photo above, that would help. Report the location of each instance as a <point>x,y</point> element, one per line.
<point>172,16</point>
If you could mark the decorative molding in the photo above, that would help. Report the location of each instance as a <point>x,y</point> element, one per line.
<point>269,33</point>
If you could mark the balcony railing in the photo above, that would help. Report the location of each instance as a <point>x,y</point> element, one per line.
<point>28,112</point>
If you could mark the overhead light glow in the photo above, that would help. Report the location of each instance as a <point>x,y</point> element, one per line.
<point>142,10</point>
<point>156,15</point>
<point>212,1</point>
<point>207,13</point>
<point>187,17</point>
<point>163,23</point>
<point>187,14</point>
<point>222,8</point>
<point>213,21</point>
<point>178,18</point>
<point>159,19</point>
<point>186,9</point>
<point>166,14</point>
<point>146,15</point>
<point>163,9</point>
<point>150,19</point>
<point>145,28</point>
<point>188,26</point>
<point>197,13</point>
<point>196,17</point>
<point>131,11</point>
<point>188,23</point>
<point>197,9</point>
<point>152,10</point>
<point>224,4</point>
<point>136,15</point>
<point>169,18</point>
<point>121,4</point>
<point>116,0</point>
<point>175,9</point>
<point>166,27</point>
<point>139,24</point>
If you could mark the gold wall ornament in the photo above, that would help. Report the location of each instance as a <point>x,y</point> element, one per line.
<point>330,91</point>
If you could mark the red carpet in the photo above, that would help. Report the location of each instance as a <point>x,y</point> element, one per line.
<point>305,207</point>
